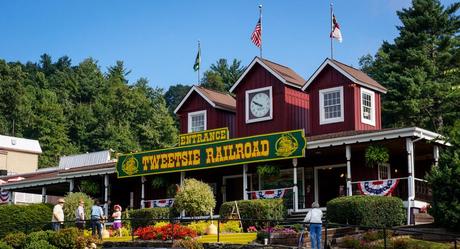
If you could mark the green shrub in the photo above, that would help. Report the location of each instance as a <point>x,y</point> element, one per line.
<point>16,240</point>
<point>72,201</point>
<point>268,209</point>
<point>400,243</point>
<point>65,238</point>
<point>232,226</point>
<point>143,217</point>
<point>25,219</point>
<point>39,235</point>
<point>195,197</point>
<point>199,226</point>
<point>3,245</point>
<point>350,242</point>
<point>370,211</point>
<point>40,244</point>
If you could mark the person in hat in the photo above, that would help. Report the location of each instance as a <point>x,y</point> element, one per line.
<point>313,218</point>
<point>80,215</point>
<point>58,215</point>
<point>117,219</point>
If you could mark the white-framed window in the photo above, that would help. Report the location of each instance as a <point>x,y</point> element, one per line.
<point>197,121</point>
<point>367,107</point>
<point>331,105</point>
<point>384,171</point>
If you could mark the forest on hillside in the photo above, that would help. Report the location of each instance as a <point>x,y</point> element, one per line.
<point>77,109</point>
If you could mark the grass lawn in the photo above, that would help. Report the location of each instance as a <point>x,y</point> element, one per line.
<point>234,238</point>
<point>414,243</point>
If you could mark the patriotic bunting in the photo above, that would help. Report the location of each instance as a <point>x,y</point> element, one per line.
<point>269,193</point>
<point>4,196</point>
<point>161,203</point>
<point>381,187</point>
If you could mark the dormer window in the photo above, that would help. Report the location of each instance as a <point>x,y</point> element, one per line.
<point>367,107</point>
<point>197,121</point>
<point>331,105</point>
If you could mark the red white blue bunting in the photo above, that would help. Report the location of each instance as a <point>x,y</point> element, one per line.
<point>380,187</point>
<point>161,202</point>
<point>269,193</point>
<point>4,196</point>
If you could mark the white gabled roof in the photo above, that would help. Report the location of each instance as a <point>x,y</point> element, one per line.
<point>20,144</point>
<point>276,70</point>
<point>353,74</point>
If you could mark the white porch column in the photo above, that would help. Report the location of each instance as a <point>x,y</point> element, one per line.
<point>245,181</point>
<point>436,155</point>
<point>295,188</point>
<point>348,156</point>
<point>43,194</point>
<point>182,178</point>
<point>142,191</point>
<point>410,180</point>
<point>12,198</point>
<point>106,194</point>
<point>71,185</point>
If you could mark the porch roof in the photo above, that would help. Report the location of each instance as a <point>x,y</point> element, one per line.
<point>353,137</point>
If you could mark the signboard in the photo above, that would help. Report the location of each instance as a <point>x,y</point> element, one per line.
<point>261,148</point>
<point>202,137</point>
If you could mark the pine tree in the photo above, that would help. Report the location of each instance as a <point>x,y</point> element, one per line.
<point>421,68</point>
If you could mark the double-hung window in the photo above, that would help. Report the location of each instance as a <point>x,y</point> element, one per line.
<point>197,121</point>
<point>384,171</point>
<point>331,105</point>
<point>367,107</point>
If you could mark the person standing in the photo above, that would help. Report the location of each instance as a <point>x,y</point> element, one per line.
<point>97,215</point>
<point>58,215</point>
<point>314,217</point>
<point>80,215</point>
<point>117,219</point>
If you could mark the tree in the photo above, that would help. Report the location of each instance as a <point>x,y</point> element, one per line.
<point>175,94</point>
<point>421,68</point>
<point>445,184</point>
<point>222,76</point>
<point>195,197</point>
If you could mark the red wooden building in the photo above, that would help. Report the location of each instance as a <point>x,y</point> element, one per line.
<point>338,107</point>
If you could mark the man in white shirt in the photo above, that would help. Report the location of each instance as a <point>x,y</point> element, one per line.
<point>80,215</point>
<point>314,217</point>
<point>58,215</point>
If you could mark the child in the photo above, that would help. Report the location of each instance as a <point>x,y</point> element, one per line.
<point>117,219</point>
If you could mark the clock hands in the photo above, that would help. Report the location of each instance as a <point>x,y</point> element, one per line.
<point>260,105</point>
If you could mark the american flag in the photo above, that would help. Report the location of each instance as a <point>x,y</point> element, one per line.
<point>256,36</point>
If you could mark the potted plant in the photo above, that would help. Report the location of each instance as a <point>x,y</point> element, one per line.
<point>268,170</point>
<point>376,155</point>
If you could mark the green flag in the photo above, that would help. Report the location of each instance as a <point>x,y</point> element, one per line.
<point>197,64</point>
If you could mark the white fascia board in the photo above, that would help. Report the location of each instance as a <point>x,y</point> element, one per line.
<point>194,88</point>
<point>33,183</point>
<point>376,136</point>
<point>349,76</point>
<point>88,173</point>
<point>254,61</point>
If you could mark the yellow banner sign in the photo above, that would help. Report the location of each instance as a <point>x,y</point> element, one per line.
<point>203,137</point>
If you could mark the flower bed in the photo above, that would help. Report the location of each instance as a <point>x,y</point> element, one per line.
<point>166,232</point>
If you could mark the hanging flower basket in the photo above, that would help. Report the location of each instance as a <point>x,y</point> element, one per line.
<point>376,155</point>
<point>268,170</point>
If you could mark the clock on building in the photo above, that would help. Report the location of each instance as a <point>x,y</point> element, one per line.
<point>259,104</point>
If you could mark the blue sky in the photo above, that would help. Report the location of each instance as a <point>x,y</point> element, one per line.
<point>158,39</point>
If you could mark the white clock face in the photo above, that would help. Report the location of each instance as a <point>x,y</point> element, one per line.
<point>260,105</point>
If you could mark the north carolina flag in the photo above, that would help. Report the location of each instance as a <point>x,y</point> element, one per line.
<point>335,33</point>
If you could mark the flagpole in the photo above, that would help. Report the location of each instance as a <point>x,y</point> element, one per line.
<point>260,17</point>
<point>199,51</point>
<point>330,35</point>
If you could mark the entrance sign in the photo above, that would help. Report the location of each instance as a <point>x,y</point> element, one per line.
<point>260,148</point>
<point>202,137</point>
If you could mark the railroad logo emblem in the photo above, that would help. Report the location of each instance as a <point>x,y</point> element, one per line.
<point>130,166</point>
<point>286,145</point>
